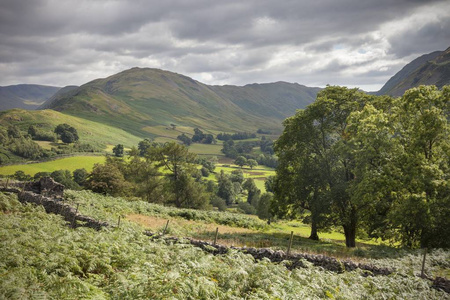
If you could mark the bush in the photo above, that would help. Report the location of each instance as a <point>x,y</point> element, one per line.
<point>247,208</point>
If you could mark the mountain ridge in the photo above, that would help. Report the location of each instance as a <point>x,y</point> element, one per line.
<point>25,96</point>
<point>151,97</point>
<point>429,69</point>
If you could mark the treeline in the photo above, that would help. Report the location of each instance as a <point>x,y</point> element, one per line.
<point>236,136</point>
<point>245,149</point>
<point>16,144</point>
<point>375,165</point>
<point>198,137</point>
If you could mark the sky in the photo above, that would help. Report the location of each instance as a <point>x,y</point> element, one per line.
<point>355,43</point>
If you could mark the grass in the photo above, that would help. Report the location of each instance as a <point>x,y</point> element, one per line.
<point>68,163</point>
<point>90,132</point>
<point>206,149</point>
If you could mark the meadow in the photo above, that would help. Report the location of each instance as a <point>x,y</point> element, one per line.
<point>43,258</point>
<point>68,163</point>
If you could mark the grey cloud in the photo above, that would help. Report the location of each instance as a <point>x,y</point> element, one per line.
<point>70,42</point>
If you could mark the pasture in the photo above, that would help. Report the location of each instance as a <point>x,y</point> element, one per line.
<point>69,163</point>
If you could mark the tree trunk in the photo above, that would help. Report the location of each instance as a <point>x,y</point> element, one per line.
<point>350,230</point>
<point>314,236</point>
<point>350,236</point>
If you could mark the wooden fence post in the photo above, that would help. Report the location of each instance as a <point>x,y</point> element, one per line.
<point>118,223</point>
<point>165,228</point>
<point>290,243</point>
<point>215,238</point>
<point>422,273</point>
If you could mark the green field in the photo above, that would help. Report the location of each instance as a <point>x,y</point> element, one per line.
<point>69,163</point>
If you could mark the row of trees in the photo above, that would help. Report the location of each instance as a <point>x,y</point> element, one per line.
<point>369,164</point>
<point>235,136</point>
<point>198,137</point>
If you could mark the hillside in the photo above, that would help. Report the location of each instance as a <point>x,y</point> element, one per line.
<point>26,96</point>
<point>139,98</point>
<point>428,69</point>
<point>89,132</point>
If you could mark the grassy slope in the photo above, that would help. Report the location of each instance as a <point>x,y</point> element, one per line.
<point>42,258</point>
<point>89,132</point>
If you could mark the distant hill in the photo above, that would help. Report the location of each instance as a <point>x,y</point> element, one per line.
<point>139,98</point>
<point>63,92</point>
<point>26,96</point>
<point>428,69</point>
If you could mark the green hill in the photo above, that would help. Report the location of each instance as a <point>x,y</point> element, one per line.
<point>428,69</point>
<point>137,99</point>
<point>26,96</point>
<point>46,120</point>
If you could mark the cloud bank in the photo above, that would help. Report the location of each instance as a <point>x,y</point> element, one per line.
<point>351,42</point>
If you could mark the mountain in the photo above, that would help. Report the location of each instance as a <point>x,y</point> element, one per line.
<point>139,99</point>
<point>66,91</point>
<point>26,96</point>
<point>428,69</point>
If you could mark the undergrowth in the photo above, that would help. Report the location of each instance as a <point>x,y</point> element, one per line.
<point>43,258</point>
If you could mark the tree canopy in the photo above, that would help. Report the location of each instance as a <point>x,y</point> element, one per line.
<point>369,163</point>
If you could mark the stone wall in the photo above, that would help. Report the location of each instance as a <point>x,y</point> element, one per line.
<point>57,206</point>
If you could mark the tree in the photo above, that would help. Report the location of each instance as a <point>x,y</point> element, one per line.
<point>66,133</point>
<point>180,166</point>
<point>13,132</point>
<point>109,180</point>
<point>144,145</point>
<point>65,178</point>
<point>80,176</point>
<point>263,209</point>
<point>225,188</point>
<point>252,163</point>
<point>314,169</point>
<point>32,131</point>
<point>237,176</point>
<point>118,150</point>
<point>68,137</point>
<point>253,193</point>
<point>268,184</point>
<point>240,161</point>
<point>185,139</point>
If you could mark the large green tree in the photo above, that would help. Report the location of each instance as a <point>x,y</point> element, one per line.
<point>315,169</point>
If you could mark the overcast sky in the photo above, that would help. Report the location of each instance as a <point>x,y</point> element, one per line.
<point>351,42</point>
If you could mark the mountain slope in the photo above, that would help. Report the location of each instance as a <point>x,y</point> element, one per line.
<point>138,98</point>
<point>428,69</point>
<point>46,120</point>
<point>26,96</point>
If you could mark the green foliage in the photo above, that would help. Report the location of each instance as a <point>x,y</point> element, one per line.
<point>109,180</point>
<point>225,188</point>
<point>65,178</point>
<point>21,176</point>
<point>252,163</point>
<point>185,139</point>
<point>263,208</point>
<point>43,258</point>
<point>66,133</point>
<point>240,161</point>
<point>118,150</point>
<point>80,176</point>
<point>372,163</point>
<point>247,208</point>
